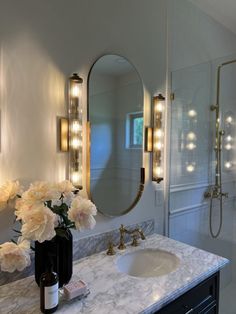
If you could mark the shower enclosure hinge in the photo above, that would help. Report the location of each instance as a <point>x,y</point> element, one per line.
<point>172,96</point>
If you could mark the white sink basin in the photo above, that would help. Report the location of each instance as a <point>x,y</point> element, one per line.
<point>147,263</point>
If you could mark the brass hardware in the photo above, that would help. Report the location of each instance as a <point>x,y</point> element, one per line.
<point>134,233</point>
<point>135,240</point>
<point>213,107</point>
<point>75,130</point>
<point>111,250</point>
<point>157,140</point>
<point>64,134</point>
<point>172,96</point>
<point>148,145</point>
<point>122,238</point>
<point>88,144</point>
<point>215,192</point>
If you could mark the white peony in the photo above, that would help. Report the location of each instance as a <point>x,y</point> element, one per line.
<point>82,212</point>
<point>38,223</point>
<point>14,256</point>
<point>65,187</point>
<point>8,191</point>
<point>22,206</point>
<point>40,191</point>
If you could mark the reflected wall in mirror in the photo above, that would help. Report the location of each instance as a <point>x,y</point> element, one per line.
<point>115,114</point>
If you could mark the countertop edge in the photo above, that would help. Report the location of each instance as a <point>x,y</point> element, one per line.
<point>168,299</point>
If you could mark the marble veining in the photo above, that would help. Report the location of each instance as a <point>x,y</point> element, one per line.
<point>114,292</point>
<point>83,247</point>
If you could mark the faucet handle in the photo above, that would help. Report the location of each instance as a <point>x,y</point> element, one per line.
<point>142,236</point>
<point>226,195</point>
<point>122,228</point>
<point>111,250</point>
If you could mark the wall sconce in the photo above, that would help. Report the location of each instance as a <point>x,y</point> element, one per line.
<point>71,131</point>
<point>154,137</point>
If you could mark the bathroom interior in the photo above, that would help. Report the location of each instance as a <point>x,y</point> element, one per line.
<point>129,54</point>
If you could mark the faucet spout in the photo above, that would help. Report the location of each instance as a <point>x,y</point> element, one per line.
<point>135,232</point>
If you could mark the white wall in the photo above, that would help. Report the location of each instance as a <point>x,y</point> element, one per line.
<point>41,44</point>
<point>194,37</point>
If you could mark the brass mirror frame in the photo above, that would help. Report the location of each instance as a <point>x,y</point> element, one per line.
<point>88,149</point>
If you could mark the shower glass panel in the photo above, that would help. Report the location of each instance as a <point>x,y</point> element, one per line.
<point>192,165</point>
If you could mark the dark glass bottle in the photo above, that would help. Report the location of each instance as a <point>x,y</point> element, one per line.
<point>60,249</point>
<point>49,291</point>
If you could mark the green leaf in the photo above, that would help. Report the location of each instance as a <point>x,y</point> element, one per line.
<point>62,233</point>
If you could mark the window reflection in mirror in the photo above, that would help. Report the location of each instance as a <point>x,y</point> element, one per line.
<point>115,95</point>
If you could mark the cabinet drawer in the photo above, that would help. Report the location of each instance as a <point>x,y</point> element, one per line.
<point>202,299</point>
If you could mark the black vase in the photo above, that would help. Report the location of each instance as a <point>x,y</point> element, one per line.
<point>59,252</point>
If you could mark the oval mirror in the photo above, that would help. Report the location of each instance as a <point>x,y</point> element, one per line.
<point>115,114</point>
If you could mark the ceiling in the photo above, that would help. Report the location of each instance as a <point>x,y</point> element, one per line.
<point>223,11</point>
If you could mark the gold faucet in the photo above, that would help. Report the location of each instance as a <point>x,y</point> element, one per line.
<point>134,233</point>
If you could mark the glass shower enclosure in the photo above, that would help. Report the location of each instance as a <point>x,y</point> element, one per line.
<point>193,168</point>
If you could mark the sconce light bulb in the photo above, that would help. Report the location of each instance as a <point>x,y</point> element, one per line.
<point>75,127</point>
<point>158,171</point>
<point>159,106</point>
<point>229,138</point>
<point>158,145</point>
<point>229,119</point>
<point>190,168</point>
<point>75,143</point>
<point>228,146</point>
<point>158,133</point>
<point>75,90</point>
<point>191,146</point>
<point>192,113</point>
<point>75,177</point>
<point>191,136</point>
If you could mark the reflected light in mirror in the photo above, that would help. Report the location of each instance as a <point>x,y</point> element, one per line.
<point>191,146</point>
<point>228,165</point>
<point>190,168</point>
<point>192,113</point>
<point>228,146</point>
<point>229,119</point>
<point>229,138</point>
<point>191,136</point>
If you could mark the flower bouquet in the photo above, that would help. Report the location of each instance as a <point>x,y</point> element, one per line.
<point>45,212</point>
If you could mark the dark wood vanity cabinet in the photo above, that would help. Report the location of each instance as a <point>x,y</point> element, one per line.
<point>202,299</point>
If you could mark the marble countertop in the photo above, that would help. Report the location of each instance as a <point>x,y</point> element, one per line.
<point>114,292</point>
